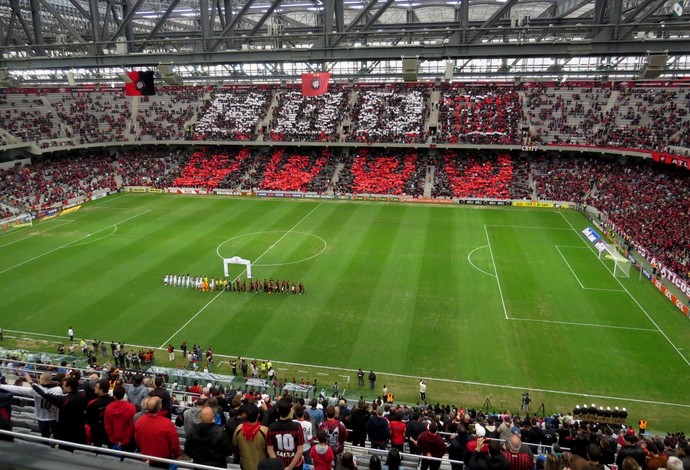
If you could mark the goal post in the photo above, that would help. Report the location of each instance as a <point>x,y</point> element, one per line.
<point>237,260</point>
<point>22,220</point>
<point>621,264</point>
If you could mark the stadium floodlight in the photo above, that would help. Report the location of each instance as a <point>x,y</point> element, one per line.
<point>621,264</point>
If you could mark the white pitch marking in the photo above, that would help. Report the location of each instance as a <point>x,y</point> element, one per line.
<point>33,234</point>
<point>257,259</point>
<point>586,324</point>
<point>631,296</point>
<point>469,260</point>
<point>498,281</point>
<point>71,243</point>
<point>416,377</point>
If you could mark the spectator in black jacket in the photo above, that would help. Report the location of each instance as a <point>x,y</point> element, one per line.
<point>72,405</point>
<point>207,443</point>
<point>631,449</point>
<point>95,413</point>
<point>378,430</point>
<point>358,422</point>
<point>491,459</point>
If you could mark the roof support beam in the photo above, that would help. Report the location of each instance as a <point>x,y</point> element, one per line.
<point>265,17</point>
<point>205,23</point>
<point>636,18</point>
<point>362,14</point>
<point>563,8</point>
<point>37,20</point>
<point>128,12</point>
<point>10,30</point>
<point>17,11</point>
<point>339,16</point>
<point>96,31</point>
<point>372,21</point>
<point>493,19</point>
<point>81,9</point>
<point>160,23</point>
<point>75,34</point>
<point>230,27</point>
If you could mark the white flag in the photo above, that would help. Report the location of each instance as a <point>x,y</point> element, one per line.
<point>678,8</point>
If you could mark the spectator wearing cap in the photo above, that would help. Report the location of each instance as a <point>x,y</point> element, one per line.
<point>674,463</point>
<point>207,443</point>
<point>517,460</point>
<point>431,444</point>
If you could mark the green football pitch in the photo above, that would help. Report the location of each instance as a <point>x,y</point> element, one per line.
<point>483,302</point>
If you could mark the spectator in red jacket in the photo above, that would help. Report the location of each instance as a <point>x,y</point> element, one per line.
<point>156,434</point>
<point>431,444</point>
<point>119,421</point>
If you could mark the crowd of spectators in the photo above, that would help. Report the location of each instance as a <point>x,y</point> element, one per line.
<point>233,114</point>
<point>215,425</point>
<point>164,116</point>
<point>565,114</point>
<point>483,114</point>
<point>28,118</point>
<point>92,117</point>
<point>477,174</point>
<point>294,170</point>
<point>314,119</point>
<point>624,115</point>
<point>379,171</point>
<point>152,167</point>
<point>637,197</point>
<point>54,181</point>
<point>206,168</point>
<point>390,113</point>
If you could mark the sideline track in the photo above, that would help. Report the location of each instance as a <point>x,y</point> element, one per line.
<point>415,377</point>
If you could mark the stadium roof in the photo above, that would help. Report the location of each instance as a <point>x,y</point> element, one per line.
<point>222,38</point>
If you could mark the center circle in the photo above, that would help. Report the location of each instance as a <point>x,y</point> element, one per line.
<point>259,246</point>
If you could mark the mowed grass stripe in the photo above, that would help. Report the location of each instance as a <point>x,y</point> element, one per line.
<point>446,312</point>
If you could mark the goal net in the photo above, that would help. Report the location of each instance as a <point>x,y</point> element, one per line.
<point>23,220</point>
<point>621,264</point>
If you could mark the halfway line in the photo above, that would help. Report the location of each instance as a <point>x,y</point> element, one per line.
<point>498,280</point>
<point>167,341</point>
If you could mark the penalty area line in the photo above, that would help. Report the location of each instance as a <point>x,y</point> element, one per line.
<point>72,242</point>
